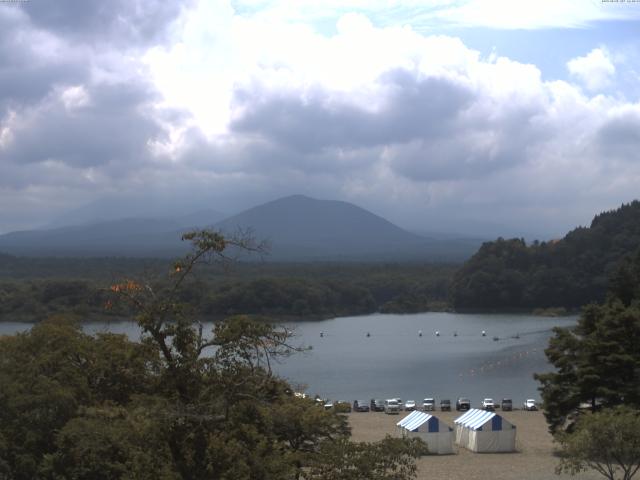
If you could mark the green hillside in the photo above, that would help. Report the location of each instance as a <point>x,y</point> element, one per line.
<point>569,273</point>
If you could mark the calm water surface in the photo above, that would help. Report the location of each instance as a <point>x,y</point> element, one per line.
<point>394,361</point>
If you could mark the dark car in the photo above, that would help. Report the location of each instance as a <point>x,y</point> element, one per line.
<point>377,405</point>
<point>360,406</point>
<point>445,405</point>
<point>506,405</point>
<point>463,404</point>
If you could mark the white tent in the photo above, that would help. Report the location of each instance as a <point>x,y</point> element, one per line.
<point>439,436</point>
<point>485,432</point>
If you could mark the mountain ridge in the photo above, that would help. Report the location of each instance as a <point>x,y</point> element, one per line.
<point>298,227</point>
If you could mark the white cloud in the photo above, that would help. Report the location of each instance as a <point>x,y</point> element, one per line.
<point>251,106</point>
<point>75,97</point>
<point>595,70</point>
<point>423,15</point>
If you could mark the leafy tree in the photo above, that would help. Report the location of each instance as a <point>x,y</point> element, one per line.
<point>107,443</point>
<point>48,374</point>
<point>598,361</point>
<point>607,442</point>
<point>180,404</point>
<point>391,458</point>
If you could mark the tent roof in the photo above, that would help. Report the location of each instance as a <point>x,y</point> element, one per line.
<point>467,415</point>
<point>475,418</point>
<point>408,418</point>
<point>414,420</point>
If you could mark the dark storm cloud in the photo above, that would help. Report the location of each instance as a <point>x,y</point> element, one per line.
<point>619,137</point>
<point>428,129</point>
<point>110,127</point>
<point>45,44</point>
<point>415,108</point>
<point>48,48</point>
<point>125,23</point>
<point>483,142</point>
<point>28,67</point>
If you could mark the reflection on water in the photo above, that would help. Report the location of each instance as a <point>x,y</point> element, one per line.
<point>395,361</point>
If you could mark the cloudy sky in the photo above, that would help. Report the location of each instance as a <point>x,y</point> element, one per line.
<point>519,117</point>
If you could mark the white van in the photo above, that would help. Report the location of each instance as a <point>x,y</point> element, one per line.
<point>391,406</point>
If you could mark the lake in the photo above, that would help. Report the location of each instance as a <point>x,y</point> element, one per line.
<point>394,361</point>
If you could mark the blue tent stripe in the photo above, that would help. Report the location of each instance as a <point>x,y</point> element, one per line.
<point>496,423</point>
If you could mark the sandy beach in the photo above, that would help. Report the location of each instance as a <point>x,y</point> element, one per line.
<point>534,459</point>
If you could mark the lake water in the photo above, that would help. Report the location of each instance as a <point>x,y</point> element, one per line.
<point>394,361</point>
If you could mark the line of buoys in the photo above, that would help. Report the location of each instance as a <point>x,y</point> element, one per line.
<point>489,366</point>
<point>438,334</point>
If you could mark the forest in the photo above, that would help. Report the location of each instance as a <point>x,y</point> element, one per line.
<point>32,289</point>
<point>569,272</point>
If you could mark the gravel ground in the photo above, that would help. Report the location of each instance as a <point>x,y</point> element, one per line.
<point>533,460</point>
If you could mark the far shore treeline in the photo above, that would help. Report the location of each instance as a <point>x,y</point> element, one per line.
<point>30,289</point>
<point>504,275</point>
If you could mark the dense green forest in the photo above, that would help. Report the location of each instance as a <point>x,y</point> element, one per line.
<point>32,289</point>
<point>569,273</point>
<point>83,407</point>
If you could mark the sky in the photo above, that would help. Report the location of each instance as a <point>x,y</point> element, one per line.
<point>513,118</point>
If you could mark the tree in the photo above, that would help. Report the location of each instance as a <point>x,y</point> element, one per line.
<point>389,459</point>
<point>598,361</point>
<point>49,374</point>
<point>607,442</point>
<point>181,404</point>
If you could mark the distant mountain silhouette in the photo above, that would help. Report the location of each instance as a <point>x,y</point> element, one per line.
<point>303,228</point>
<point>298,228</point>
<point>129,237</point>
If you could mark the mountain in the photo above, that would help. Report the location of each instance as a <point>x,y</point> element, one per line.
<point>125,237</point>
<point>297,228</point>
<point>569,272</point>
<point>303,228</point>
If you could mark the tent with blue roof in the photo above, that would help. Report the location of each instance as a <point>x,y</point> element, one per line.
<point>437,435</point>
<point>485,432</point>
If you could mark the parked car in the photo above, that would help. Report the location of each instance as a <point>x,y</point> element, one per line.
<point>530,404</point>
<point>463,404</point>
<point>377,405</point>
<point>487,404</point>
<point>391,406</point>
<point>429,404</point>
<point>445,405</point>
<point>506,404</point>
<point>410,405</point>
<point>360,406</point>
